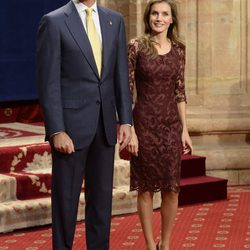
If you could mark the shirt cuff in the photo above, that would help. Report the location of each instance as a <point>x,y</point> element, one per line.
<point>56,133</point>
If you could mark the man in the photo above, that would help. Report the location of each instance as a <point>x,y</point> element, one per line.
<point>82,78</point>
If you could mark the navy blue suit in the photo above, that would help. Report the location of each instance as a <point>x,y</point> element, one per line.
<point>76,100</point>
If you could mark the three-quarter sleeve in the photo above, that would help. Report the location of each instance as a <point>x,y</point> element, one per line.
<point>132,59</point>
<point>180,81</point>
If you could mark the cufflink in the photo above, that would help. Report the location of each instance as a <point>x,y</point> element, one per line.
<point>110,23</point>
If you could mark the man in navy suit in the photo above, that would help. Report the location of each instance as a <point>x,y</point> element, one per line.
<point>80,105</point>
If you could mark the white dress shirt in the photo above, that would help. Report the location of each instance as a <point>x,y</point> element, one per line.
<point>81,9</point>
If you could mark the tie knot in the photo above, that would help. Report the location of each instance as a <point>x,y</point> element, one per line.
<point>89,11</point>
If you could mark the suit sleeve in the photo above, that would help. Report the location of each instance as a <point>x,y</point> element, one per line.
<point>48,67</point>
<point>123,98</point>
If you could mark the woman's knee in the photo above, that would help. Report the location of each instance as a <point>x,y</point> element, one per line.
<point>145,196</point>
<point>170,196</point>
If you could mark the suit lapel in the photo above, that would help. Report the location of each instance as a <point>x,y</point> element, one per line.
<point>78,32</point>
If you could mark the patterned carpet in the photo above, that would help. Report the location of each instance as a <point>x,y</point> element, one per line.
<point>12,134</point>
<point>215,225</point>
<point>25,179</point>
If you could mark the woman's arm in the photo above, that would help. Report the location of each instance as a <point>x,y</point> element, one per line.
<point>186,140</point>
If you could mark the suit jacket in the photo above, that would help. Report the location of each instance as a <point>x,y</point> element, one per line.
<point>70,91</point>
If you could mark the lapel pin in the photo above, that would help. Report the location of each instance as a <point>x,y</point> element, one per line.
<point>110,22</point>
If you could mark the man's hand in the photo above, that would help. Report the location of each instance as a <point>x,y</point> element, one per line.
<point>63,143</point>
<point>124,136</point>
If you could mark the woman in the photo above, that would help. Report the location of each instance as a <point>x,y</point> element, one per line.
<point>160,134</point>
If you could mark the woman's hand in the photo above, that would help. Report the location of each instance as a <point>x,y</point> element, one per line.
<point>186,142</point>
<point>133,146</point>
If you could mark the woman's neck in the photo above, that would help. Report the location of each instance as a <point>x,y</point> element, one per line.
<point>161,39</point>
<point>162,43</point>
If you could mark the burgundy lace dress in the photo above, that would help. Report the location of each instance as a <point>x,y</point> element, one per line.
<point>160,86</point>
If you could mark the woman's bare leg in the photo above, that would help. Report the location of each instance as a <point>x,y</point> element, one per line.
<point>145,210</point>
<point>169,207</point>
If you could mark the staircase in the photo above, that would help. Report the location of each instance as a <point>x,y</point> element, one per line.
<point>196,187</point>
<point>25,186</point>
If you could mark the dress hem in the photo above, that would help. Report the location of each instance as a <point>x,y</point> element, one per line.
<point>156,189</point>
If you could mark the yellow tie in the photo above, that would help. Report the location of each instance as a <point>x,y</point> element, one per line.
<point>94,40</point>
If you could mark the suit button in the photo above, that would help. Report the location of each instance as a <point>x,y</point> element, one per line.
<point>98,102</point>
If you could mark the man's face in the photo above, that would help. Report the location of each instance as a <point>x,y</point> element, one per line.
<point>88,2</point>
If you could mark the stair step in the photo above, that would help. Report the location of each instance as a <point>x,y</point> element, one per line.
<point>31,185</point>
<point>18,158</point>
<point>22,158</point>
<point>8,188</point>
<point>193,165</point>
<point>25,185</point>
<point>121,173</point>
<point>25,181</point>
<point>37,183</point>
<point>17,214</point>
<point>26,213</point>
<point>202,189</point>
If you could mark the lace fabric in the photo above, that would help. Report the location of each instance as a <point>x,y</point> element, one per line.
<point>159,86</point>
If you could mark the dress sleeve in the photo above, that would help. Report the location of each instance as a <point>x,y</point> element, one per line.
<point>180,81</point>
<point>132,59</point>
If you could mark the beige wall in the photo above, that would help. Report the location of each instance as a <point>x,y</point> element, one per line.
<point>217,36</point>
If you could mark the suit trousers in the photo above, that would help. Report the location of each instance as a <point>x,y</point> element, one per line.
<point>94,163</point>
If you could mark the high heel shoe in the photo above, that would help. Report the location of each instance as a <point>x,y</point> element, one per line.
<point>158,246</point>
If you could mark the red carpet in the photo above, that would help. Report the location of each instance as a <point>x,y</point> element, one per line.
<point>20,111</point>
<point>25,180</point>
<point>6,133</point>
<point>215,225</point>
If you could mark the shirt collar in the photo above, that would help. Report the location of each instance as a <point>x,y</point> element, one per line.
<point>82,7</point>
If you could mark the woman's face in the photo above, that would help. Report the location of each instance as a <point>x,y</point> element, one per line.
<point>160,17</point>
